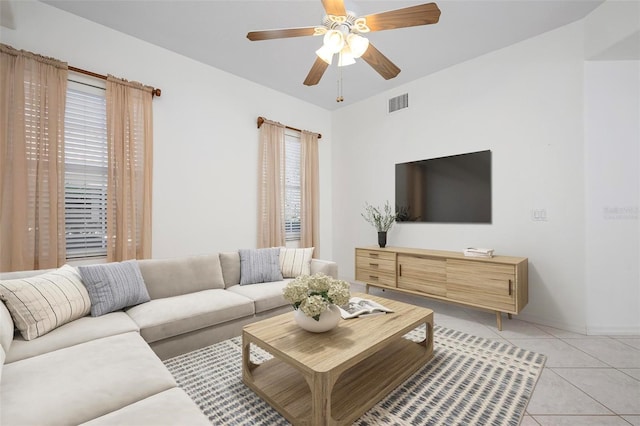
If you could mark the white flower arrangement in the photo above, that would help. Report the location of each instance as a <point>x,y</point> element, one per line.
<point>313,294</point>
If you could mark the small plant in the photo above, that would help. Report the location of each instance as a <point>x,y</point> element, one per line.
<point>313,294</point>
<point>381,220</point>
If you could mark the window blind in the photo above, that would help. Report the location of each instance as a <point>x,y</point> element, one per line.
<point>85,172</point>
<point>292,198</point>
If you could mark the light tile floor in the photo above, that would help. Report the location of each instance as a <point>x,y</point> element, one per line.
<point>587,380</point>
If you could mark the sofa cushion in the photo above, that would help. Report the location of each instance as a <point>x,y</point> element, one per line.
<point>295,261</point>
<point>173,277</point>
<point>2,359</point>
<point>326,267</point>
<point>75,332</point>
<point>171,316</point>
<point>81,382</point>
<point>230,262</point>
<point>114,286</point>
<point>43,302</point>
<point>266,296</point>
<point>171,407</point>
<point>6,328</point>
<point>24,274</point>
<point>259,265</point>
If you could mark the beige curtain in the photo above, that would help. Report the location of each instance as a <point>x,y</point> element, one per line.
<point>130,150</point>
<point>271,185</point>
<point>309,190</point>
<point>33,92</point>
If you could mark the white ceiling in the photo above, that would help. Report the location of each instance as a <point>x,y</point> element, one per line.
<point>214,32</point>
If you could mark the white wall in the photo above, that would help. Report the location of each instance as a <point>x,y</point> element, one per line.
<point>205,134</point>
<point>525,103</point>
<point>612,163</point>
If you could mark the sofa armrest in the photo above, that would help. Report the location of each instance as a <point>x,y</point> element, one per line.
<point>326,267</point>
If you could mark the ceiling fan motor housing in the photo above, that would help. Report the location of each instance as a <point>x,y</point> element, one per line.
<point>345,24</point>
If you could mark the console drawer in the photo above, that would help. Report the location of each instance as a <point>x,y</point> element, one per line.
<point>376,254</point>
<point>375,277</point>
<point>376,265</point>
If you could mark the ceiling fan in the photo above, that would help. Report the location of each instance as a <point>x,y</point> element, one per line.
<point>342,34</point>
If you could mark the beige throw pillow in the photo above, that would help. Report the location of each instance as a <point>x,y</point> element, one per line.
<point>41,303</point>
<point>295,261</point>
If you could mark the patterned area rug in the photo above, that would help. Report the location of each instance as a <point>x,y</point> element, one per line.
<point>469,381</point>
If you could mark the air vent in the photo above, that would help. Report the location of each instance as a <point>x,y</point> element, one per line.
<point>398,103</point>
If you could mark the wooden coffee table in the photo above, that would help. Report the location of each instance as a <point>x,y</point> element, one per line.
<point>334,377</point>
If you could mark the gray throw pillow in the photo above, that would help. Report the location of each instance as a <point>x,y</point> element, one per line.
<point>114,286</point>
<point>260,265</point>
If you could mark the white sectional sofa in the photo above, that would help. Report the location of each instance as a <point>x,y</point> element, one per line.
<point>107,370</point>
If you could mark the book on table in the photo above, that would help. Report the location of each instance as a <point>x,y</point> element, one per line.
<point>359,307</point>
<point>478,252</point>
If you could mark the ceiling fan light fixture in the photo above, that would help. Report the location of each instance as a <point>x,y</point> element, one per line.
<point>357,44</point>
<point>325,54</point>
<point>346,57</point>
<point>334,40</point>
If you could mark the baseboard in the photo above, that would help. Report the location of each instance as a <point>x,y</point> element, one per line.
<point>550,322</point>
<point>598,330</point>
<point>613,330</point>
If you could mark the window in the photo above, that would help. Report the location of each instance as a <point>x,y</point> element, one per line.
<point>292,197</point>
<point>85,170</point>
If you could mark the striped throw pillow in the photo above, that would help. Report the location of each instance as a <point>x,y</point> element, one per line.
<point>114,286</point>
<point>295,261</point>
<point>41,303</point>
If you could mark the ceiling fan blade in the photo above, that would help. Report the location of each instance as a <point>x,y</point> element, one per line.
<point>334,7</point>
<point>283,33</point>
<point>423,14</point>
<point>316,72</point>
<point>380,63</point>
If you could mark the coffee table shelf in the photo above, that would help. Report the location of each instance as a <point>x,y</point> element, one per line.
<point>309,389</point>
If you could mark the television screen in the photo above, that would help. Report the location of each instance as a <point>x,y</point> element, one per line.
<point>454,189</point>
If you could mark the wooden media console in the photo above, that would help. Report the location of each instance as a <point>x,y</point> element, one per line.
<point>498,284</point>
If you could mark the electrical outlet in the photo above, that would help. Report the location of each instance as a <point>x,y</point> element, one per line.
<point>539,215</point>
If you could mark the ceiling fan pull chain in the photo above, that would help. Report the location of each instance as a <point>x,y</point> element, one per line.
<point>340,98</point>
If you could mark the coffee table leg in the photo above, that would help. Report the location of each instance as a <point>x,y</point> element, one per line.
<point>247,365</point>
<point>321,387</point>
<point>429,335</point>
<point>427,342</point>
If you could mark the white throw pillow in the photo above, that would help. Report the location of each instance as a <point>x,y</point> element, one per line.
<point>41,303</point>
<point>295,261</point>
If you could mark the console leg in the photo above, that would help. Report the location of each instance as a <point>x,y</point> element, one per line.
<point>366,288</point>
<point>499,320</point>
<point>509,316</point>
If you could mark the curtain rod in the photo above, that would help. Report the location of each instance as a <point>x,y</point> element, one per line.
<point>154,90</point>
<point>262,120</point>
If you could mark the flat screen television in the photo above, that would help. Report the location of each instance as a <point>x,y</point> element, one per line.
<point>454,189</point>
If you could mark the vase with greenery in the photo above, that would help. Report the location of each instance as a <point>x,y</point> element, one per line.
<point>381,218</point>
